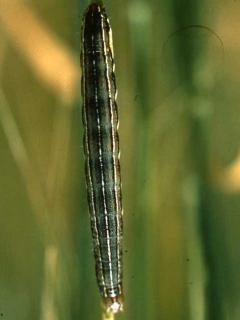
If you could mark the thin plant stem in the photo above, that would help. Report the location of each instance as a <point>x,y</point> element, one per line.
<point>108,316</point>
<point>48,308</point>
<point>17,147</point>
<point>57,169</point>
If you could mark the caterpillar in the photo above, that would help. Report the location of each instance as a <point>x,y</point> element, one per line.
<point>101,148</point>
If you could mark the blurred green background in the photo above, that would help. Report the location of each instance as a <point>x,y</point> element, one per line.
<point>177,67</point>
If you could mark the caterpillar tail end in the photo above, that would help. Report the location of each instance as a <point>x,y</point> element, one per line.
<point>113,305</point>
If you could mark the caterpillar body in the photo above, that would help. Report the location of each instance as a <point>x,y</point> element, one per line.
<point>101,147</point>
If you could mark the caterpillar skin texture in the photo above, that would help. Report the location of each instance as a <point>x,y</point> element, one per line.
<point>101,146</point>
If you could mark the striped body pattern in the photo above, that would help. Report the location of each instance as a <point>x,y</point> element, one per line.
<point>101,146</point>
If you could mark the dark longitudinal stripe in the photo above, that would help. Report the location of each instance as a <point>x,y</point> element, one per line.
<point>101,146</point>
